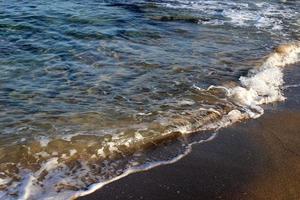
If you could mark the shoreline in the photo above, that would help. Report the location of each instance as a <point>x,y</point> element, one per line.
<point>156,100</point>
<point>254,159</point>
<point>250,160</point>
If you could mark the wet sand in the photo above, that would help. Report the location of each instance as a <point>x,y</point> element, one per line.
<point>258,159</point>
<point>255,159</point>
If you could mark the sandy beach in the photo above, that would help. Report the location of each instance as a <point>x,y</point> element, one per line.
<point>256,159</point>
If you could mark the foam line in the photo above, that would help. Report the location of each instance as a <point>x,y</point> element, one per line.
<point>263,85</point>
<point>142,168</point>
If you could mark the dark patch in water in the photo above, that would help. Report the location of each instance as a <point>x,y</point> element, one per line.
<point>130,7</point>
<point>189,19</point>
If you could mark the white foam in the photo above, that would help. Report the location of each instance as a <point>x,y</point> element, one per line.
<point>138,136</point>
<point>49,165</point>
<point>144,114</point>
<point>4,181</point>
<point>100,152</point>
<point>291,86</point>
<point>26,187</point>
<point>140,168</point>
<point>186,102</point>
<point>263,84</point>
<point>260,15</point>
<point>43,154</point>
<point>73,152</point>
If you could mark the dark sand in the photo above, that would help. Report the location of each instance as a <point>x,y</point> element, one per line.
<point>256,159</point>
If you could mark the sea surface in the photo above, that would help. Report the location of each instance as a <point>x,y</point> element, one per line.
<point>91,91</point>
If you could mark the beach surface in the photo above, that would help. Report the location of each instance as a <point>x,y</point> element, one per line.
<point>256,159</point>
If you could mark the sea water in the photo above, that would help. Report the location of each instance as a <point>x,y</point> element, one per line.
<point>91,91</point>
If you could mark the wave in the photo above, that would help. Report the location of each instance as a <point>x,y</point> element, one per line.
<point>261,15</point>
<point>77,165</point>
<point>261,86</point>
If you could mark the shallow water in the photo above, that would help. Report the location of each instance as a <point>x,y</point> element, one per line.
<point>88,89</point>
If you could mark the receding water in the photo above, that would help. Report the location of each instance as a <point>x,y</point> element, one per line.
<point>87,87</point>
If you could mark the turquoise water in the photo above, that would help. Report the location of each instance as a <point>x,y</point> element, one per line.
<point>76,75</point>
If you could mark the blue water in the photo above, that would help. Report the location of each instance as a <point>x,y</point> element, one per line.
<point>102,69</point>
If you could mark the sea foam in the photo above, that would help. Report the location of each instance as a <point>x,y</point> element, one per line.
<point>263,84</point>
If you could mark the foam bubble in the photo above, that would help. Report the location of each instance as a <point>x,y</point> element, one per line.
<point>73,152</point>
<point>4,181</point>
